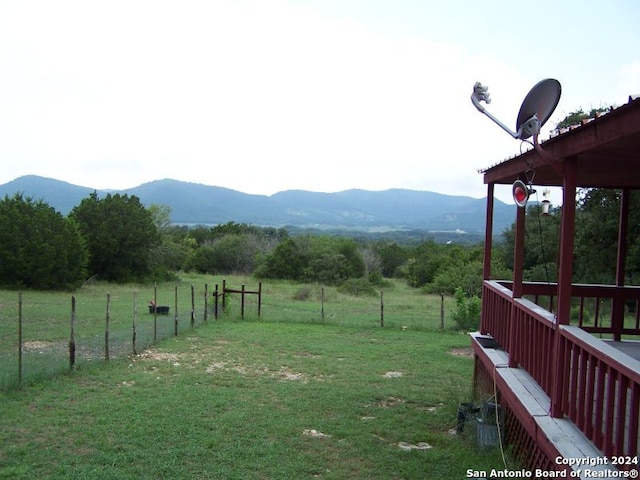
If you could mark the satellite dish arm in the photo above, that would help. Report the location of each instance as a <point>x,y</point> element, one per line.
<point>481,93</point>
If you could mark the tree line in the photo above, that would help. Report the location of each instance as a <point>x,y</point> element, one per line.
<point>595,240</point>
<point>116,238</point>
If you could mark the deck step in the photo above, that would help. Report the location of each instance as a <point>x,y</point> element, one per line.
<point>562,433</point>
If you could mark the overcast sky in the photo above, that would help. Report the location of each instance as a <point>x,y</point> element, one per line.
<point>270,95</point>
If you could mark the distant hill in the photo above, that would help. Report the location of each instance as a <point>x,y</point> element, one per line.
<point>356,210</point>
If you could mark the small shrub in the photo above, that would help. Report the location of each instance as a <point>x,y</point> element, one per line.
<point>466,314</point>
<point>302,294</point>
<point>358,287</point>
<point>377,280</point>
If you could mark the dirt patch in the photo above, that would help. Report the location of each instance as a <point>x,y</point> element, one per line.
<point>45,347</point>
<point>284,373</point>
<point>155,355</point>
<point>430,408</point>
<point>315,434</point>
<point>466,352</point>
<point>411,446</point>
<point>38,345</point>
<point>215,366</point>
<point>387,402</point>
<point>305,354</point>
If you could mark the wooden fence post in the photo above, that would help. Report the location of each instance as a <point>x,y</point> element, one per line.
<point>381,309</point>
<point>155,312</point>
<point>175,311</point>
<point>106,328</point>
<point>193,306</point>
<point>133,322</point>
<point>242,302</point>
<point>322,303</point>
<point>442,311</point>
<point>206,298</point>
<point>224,294</point>
<point>259,298</point>
<point>215,303</point>
<point>72,335</point>
<point>20,338</point>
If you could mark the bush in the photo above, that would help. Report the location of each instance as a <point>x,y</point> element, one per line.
<point>377,280</point>
<point>324,260</point>
<point>303,293</point>
<point>358,287</point>
<point>466,314</point>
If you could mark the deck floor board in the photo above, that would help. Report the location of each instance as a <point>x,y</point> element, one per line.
<point>628,347</point>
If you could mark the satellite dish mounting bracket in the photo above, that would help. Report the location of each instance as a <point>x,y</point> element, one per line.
<point>535,110</point>
<point>481,94</point>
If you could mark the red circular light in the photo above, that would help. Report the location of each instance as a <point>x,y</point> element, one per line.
<point>519,194</point>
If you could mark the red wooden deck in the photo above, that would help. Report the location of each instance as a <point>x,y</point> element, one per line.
<point>596,382</point>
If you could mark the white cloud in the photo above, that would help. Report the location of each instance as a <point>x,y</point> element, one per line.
<point>259,96</point>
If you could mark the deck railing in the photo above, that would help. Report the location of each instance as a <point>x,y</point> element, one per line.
<point>597,389</point>
<point>596,308</point>
<point>601,392</point>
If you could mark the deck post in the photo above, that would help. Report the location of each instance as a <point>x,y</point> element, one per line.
<point>518,252</point>
<point>518,262</point>
<point>488,235</point>
<point>565,265</point>
<point>617,309</point>
<point>565,274</point>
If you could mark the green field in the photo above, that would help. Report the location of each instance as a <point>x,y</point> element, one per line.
<point>46,317</point>
<point>259,398</point>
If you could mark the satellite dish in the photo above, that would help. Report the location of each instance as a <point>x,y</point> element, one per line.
<point>537,107</point>
<point>535,110</point>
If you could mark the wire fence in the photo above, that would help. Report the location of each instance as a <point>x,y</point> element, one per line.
<point>45,336</point>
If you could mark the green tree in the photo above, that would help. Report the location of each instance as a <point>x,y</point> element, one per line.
<point>392,255</point>
<point>39,248</point>
<point>120,234</point>
<point>574,118</point>
<point>540,244</point>
<point>229,253</point>
<point>322,259</point>
<point>597,236</point>
<point>161,215</point>
<point>287,261</point>
<point>460,267</point>
<point>171,252</point>
<point>595,240</point>
<point>423,264</point>
<point>331,260</point>
<point>230,247</point>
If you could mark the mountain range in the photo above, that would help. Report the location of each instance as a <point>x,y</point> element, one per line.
<point>354,210</point>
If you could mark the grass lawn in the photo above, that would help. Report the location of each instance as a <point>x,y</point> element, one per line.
<point>265,400</point>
